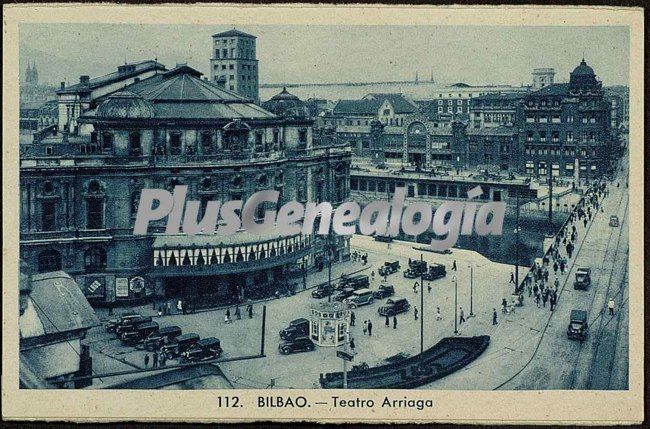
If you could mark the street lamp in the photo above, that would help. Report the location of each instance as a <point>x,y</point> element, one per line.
<point>329,269</point>
<point>455,305</point>
<point>471,289</point>
<point>517,230</point>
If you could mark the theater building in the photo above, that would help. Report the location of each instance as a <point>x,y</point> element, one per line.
<point>80,192</point>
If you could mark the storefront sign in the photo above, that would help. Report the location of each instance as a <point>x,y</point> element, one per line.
<point>136,284</point>
<point>94,286</point>
<point>121,287</point>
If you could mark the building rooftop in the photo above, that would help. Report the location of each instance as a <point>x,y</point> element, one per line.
<point>554,89</point>
<point>370,104</point>
<point>234,33</point>
<point>123,72</point>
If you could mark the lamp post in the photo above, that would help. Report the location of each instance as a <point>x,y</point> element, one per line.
<point>421,308</point>
<point>517,229</point>
<point>329,269</point>
<point>471,289</point>
<point>455,305</point>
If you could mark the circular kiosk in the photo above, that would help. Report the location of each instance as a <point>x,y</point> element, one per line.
<point>329,323</point>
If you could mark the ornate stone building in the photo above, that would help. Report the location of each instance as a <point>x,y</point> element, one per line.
<point>80,192</point>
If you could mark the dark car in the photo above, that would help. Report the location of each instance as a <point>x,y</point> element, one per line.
<point>384,291</point>
<point>112,324</point>
<point>179,345</point>
<point>578,326</point>
<point>416,268</point>
<point>583,278</point>
<point>205,349</point>
<point>139,333</point>
<point>394,306</point>
<point>342,294</point>
<point>165,335</point>
<point>436,271</point>
<point>129,324</point>
<point>297,328</point>
<point>322,291</point>
<point>357,282</point>
<point>388,268</point>
<point>296,345</point>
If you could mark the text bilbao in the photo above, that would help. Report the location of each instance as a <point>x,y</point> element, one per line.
<point>379,217</point>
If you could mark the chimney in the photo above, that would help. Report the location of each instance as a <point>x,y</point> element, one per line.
<point>84,79</point>
<point>62,85</point>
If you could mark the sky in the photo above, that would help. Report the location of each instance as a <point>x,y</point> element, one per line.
<point>318,54</point>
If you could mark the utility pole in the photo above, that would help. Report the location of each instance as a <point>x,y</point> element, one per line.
<point>471,289</point>
<point>517,230</point>
<point>421,308</point>
<point>329,268</point>
<point>456,306</point>
<point>550,190</point>
<point>345,362</point>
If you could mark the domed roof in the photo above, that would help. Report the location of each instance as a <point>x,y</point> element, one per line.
<point>583,69</point>
<point>285,95</point>
<point>125,104</point>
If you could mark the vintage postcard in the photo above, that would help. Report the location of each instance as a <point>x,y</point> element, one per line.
<point>229,213</point>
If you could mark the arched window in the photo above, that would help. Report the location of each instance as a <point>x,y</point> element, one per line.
<point>49,260</point>
<point>95,259</point>
<point>95,206</point>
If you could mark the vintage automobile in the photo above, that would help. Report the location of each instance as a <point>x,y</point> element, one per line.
<point>360,297</point>
<point>205,349</point>
<point>112,324</point>
<point>129,324</point>
<point>296,328</point>
<point>435,271</point>
<point>323,290</point>
<point>578,326</point>
<point>357,282</point>
<point>164,335</point>
<point>384,291</point>
<point>296,345</point>
<point>342,294</point>
<point>583,278</point>
<point>394,306</point>
<point>613,221</point>
<point>416,268</point>
<point>139,333</point>
<point>179,345</point>
<point>388,268</point>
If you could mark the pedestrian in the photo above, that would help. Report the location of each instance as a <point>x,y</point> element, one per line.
<point>610,306</point>
<point>168,307</point>
<point>372,274</point>
<point>512,277</point>
<point>353,318</point>
<point>494,316</point>
<point>555,267</point>
<point>238,313</point>
<point>552,302</point>
<point>160,311</point>
<point>410,262</point>
<point>155,360</point>
<point>415,287</point>
<point>504,304</point>
<point>415,313</point>
<point>562,266</point>
<point>429,287</point>
<point>365,327</point>
<point>438,316</point>
<point>394,322</point>
<point>537,299</point>
<point>146,360</point>
<point>453,267</point>
<point>546,276</point>
<point>545,298</point>
<point>461,317</point>
<point>585,222</point>
<point>179,305</point>
<point>228,312</point>
<point>387,324</point>
<point>250,311</point>
<point>163,359</point>
<point>369,328</point>
<point>556,283</point>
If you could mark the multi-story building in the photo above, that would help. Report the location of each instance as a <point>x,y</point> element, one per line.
<point>76,99</point>
<point>80,192</point>
<point>494,110</point>
<point>234,63</point>
<point>565,128</point>
<point>543,77</point>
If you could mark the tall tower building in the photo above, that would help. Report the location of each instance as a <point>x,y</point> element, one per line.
<point>543,77</point>
<point>234,64</point>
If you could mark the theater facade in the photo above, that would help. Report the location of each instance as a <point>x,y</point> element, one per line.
<point>79,193</point>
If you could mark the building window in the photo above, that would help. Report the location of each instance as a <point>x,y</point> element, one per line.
<point>206,142</point>
<point>48,215</point>
<point>592,120</point>
<point>530,119</point>
<point>107,141</point>
<point>529,136</point>
<point>302,138</point>
<point>95,259</point>
<point>542,136</point>
<point>95,213</point>
<point>49,260</point>
<point>134,144</point>
<point>556,137</point>
<point>175,144</point>
<point>259,142</point>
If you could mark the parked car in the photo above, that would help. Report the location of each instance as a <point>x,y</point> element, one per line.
<point>394,306</point>
<point>388,268</point>
<point>296,328</point>
<point>112,324</point>
<point>165,335</point>
<point>322,291</point>
<point>360,297</point>
<point>179,345</point>
<point>613,221</point>
<point>342,294</point>
<point>139,333</point>
<point>384,291</point>
<point>205,349</point>
<point>578,325</point>
<point>416,268</point>
<point>296,345</point>
<point>129,324</point>
<point>583,278</point>
<point>436,271</point>
<point>357,282</point>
